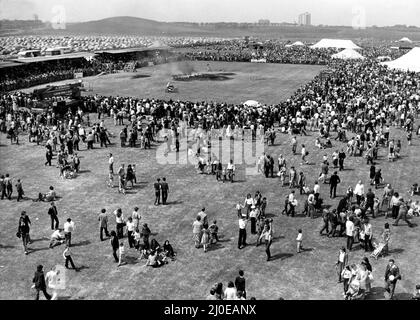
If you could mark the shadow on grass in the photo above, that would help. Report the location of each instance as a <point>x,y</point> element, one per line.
<point>84,171</point>
<point>281,256</point>
<point>6,246</point>
<point>214,247</point>
<point>307,249</point>
<point>270,215</point>
<point>40,239</point>
<point>396,251</point>
<point>81,243</point>
<point>376,293</point>
<point>131,260</point>
<point>174,202</point>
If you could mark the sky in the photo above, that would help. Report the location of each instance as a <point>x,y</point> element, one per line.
<point>327,12</point>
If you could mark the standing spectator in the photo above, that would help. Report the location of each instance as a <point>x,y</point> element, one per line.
<point>165,188</point>
<point>294,145</point>
<point>136,217</point>
<point>115,244</point>
<point>304,153</point>
<point>214,229</point>
<point>67,258</point>
<point>19,190</point>
<point>120,223</point>
<point>197,227</point>
<point>2,187</point>
<point>39,281</point>
<point>51,279</point>
<point>130,232</point>
<point>267,234</point>
<point>301,182</point>
<point>103,224</point>
<point>242,232</point>
<point>334,181</point>
<point>240,283</point>
<point>325,219</point>
<point>121,254</point>
<point>395,205</point>
<point>68,229</point>
<point>111,163</point>
<point>145,234</point>
<point>367,229</point>
<point>205,238</point>
<point>9,186</point>
<point>341,157</point>
<point>299,240</point>
<point>23,230</point>
<point>53,213</point>
<point>342,261</point>
<point>392,275</point>
<point>157,186</point>
<point>203,215</point>
<point>359,191</point>
<point>370,202</point>
<point>349,233</point>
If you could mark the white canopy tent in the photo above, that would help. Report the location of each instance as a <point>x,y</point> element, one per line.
<point>297,43</point>
<point>405,39</point>
<point>335,43</point>
<point>408,62</point>
<point>348,54</point>
<point>251,103</point>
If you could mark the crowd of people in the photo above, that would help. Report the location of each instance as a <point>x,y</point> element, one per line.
<point>358,102</point>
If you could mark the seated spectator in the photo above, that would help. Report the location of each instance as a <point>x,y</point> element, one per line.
<point>168,250</point>
<point>57,238</point>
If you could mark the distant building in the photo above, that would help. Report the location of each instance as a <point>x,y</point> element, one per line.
<point>36,17</point>
<point>304,19</point>
<point>264,22</point>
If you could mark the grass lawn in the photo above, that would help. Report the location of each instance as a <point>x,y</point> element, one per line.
<point>309,275</point>
<point>267,83</point>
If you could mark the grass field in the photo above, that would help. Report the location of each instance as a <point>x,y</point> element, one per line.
<point>309,275</point>
<point>268,83</point>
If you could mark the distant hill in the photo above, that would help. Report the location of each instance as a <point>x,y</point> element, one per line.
<point>144,27</point>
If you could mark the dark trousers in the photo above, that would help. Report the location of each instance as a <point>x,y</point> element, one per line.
<point>20,196</point>
<point>101,230</point>
<point>341,164</point>
<point>267,249</point>
<point>333,190</point>
<point>395,211</point>
<point>390,288</point>
<point>242,238</point>
<point>44,291</point>
<point>350,241</point>
<point>69,259</point>
<point>370,205</point>
<point>324,227</point>
<point>67,237</point>
<point>253,225</point>
<point>346,284</point>
<point>54,219</point>
<point>114,253</point>
<point>48,160</point>
<point>333,230</point>
<point>157,197</point>
<point>120,230</point>
<point>368,243</point>
<point>358,199</point>
<point>130,239</point>
<point>164,196</point>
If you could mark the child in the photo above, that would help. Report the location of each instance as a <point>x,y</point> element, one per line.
<point>224,174</point>
<point>121,254</point>
<point>214,229</point>
<point>299,241</point>
<point>111,179</point>
<point>205,238</point>
<point>282,174</point>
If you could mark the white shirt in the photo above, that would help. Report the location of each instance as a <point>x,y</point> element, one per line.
<point>349,228</point>
<point>111,160</point>
<point>359,189</point>
<point>299,237</point>
<point>130,226</point>
<point>230,293</point>
<point>291,197</point>
<point>69,226</point>
<point>368,229</point>
<point>341,256</point>
<point>316,188</point>
<point>242,223</point>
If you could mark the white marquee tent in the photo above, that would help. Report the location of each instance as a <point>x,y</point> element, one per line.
<point>297,43</point>
<point>408,62</point>
<point>251,103</point>
<point>347,54</point>
<point>335,43</point>
<point>405,39</point>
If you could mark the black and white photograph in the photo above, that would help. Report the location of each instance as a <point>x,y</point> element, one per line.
<point>203,150</point>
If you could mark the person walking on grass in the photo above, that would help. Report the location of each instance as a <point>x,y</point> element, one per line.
<point>67,258</point>
<point>23,230</point>
<point>304,153</point>
<point>157,186</point>
<point>19,190</point>
<point>103,224</point>
<point>402,213</point>
<point>121,254</point>
<point>68,229</point>
<point>242,232</point>
<point>334,181</point>
<point>341,263</point>
<point>240,283</point>
<point>39,283</point>
<point>392,275</point>
<point>197,228</point>
<point>294,145</point>
<point>115,244</point>
<point>267,234</point>
<point>53,213</point>
<point>165,189</point>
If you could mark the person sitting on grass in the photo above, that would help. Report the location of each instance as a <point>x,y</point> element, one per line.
<point>47,197</point>
<point>57,238</point>
<point>155,246</point>
<point>168,250</point>
<point>153,260</point>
